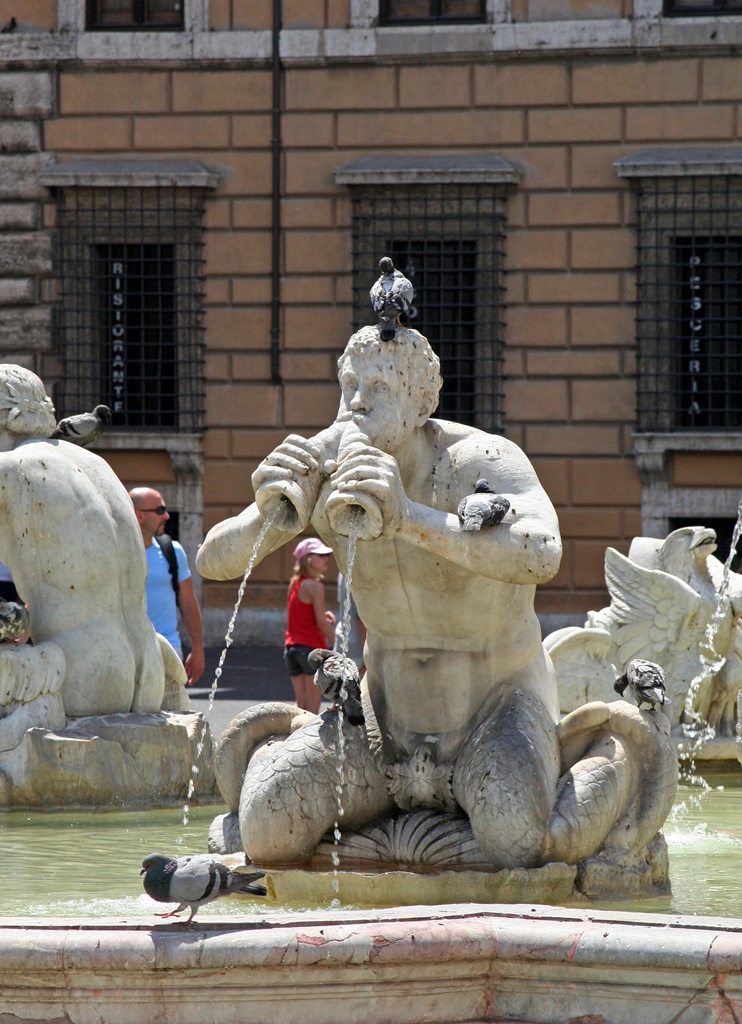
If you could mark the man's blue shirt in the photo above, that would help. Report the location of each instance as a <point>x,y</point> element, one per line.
<point>161,606</point>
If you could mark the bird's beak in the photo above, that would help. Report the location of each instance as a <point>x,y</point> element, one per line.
<point>142,871</point>
<point>704,537</point>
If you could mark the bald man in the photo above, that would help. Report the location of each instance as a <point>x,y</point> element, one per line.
<point>162,607</point>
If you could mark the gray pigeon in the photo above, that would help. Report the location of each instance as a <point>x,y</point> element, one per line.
<point>196,880</point>
<point>391,295</point>
<point>13,621</point>
<point>85,428</point>
<point>483,508</point>
<point>338,681</point>
<point>646,682</point>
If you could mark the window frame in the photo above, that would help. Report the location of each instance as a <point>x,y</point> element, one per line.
<point>434,17</point>
<point>669,10</point>
<point>654,450</point>
<point>166,200</point>
<point>139,24</point>
<point>425,188</point>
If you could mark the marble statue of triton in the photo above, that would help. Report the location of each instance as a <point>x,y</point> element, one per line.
<point>459,695</point>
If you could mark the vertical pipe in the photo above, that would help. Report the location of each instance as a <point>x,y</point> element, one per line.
<point>276,198</point>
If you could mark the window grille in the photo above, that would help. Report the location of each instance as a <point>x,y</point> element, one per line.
<point>129,324</point>
<point>448,240</point>
<point>685,8</point>
<point>689,303</point>
<point>408,12</point>
<point>134,14</point>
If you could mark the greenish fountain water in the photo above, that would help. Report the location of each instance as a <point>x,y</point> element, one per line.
<point>76,864</point>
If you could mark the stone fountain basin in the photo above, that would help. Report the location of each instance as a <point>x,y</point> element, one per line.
<point>469,962</point>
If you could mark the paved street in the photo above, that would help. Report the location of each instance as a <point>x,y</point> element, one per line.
<point>250,675</point>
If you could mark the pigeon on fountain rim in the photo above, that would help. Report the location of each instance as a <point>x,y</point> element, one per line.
<point>195,880</point>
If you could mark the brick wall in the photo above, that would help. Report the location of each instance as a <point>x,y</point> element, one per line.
<point>569,395</point>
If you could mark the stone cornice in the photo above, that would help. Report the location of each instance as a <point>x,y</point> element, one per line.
<point>128,174</point>
<point>420,170</point>
<point>365,40</point>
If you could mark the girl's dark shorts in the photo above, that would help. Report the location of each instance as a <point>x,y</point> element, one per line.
<point>297,659</point>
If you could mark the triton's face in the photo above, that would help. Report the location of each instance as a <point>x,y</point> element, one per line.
<point>379,400</point>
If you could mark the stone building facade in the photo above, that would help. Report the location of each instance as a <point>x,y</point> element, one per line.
<point>563,176</point>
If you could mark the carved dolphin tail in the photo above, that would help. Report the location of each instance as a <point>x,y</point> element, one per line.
<point>241,738</point>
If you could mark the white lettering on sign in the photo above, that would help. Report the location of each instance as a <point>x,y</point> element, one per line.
<point>118,332</point>
<point>695,323</point>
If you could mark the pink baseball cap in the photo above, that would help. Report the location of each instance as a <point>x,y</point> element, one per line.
<point>310,546</point>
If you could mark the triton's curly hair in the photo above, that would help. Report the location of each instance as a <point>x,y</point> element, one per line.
<point>25,407</point>
<point>415,361</point>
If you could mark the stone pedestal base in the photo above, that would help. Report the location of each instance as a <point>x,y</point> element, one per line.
<point>110,761</point>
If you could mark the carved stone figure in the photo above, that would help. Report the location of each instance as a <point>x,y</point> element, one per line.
<point>80,710</point>
<point>70,538</point>
<point>459,697</point>
<point>664,597</point>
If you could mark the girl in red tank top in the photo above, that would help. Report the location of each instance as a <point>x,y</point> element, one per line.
<point>310,625</point>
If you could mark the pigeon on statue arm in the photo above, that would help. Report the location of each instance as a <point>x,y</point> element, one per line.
<point>482,508</point>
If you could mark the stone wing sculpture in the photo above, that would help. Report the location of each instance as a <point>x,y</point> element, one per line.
<point>661,615</point>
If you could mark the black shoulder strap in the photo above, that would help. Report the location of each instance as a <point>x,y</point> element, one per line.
<point>166,544</point>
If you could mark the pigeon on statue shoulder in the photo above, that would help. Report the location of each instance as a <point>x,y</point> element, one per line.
<point>195,881</point>
<point>85,428</point>
<point>645,681</point>
<point>339,681</point>
<point>482,508</point>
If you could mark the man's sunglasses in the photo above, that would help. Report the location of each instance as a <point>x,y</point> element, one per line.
<point>160,510</point>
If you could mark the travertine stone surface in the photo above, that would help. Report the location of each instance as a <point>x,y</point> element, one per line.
<point>459,696</point>
<point>444,965</point>
<point>70,538</point>
<point>109,761</point>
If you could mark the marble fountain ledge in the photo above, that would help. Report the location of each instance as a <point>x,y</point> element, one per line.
<point>469,962</point>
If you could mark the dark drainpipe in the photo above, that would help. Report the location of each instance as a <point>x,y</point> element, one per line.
<point>276,199</point>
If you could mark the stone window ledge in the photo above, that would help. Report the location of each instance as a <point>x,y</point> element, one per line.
<point>661,500</point>
<point>402,170</point>
<point>364,39</point>
<point>128,174</point>
<point>681,162</point>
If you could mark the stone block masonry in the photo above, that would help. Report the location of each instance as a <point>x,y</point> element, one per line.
<point>26,98</point>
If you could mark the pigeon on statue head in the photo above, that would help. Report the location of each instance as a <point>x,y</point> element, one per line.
<point>391,295</point>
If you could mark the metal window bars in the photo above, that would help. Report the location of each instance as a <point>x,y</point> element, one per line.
<point>684,8</point>
<point>113,15</point>
<point>689,303</point>
<point>129,322</point>
<point>448,239</point>
<point>407,12</point>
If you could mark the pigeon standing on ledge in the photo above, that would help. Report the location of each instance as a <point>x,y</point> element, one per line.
<point>645,680</point>
<point>13,621</point>
<point>334,673</point>
<point>483,508</point>
<point>194,881</point>
<point>391,295</point>
<point>85,428</point>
